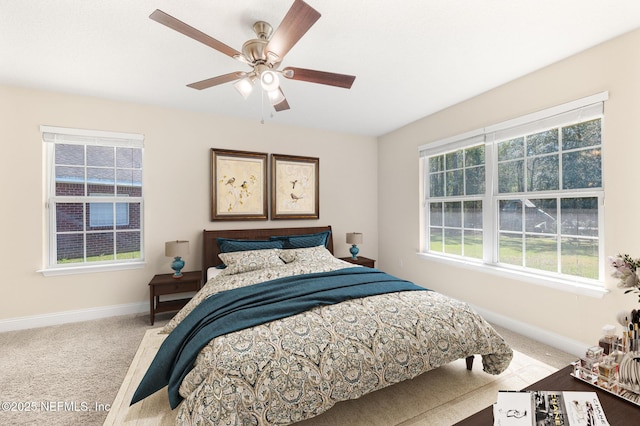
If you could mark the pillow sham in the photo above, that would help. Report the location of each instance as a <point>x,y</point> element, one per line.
<point>304,240</point>
<point>307,255</point>
<point>247,261</point>
<point>229,245</point>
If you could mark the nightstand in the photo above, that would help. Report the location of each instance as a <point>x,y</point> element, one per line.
<point>165,284</point>
<point>364,261</point>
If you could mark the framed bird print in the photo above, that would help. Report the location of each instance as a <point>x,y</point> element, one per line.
<point>295,187</point>
<point>238,185</point>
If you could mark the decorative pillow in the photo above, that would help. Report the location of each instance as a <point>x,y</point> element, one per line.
<point>303,241</point>
<point>307,255</point>
<point>228,245</point>
<point>252,260</point>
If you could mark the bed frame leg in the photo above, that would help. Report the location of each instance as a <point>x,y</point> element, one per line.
<point>469,360</point>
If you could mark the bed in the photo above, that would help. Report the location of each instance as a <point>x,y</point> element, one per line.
<point>286,330</point>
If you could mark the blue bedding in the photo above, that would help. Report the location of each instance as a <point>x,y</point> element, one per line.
<point>245,307</point>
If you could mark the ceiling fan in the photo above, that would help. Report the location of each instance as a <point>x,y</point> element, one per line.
<point>263,54</point>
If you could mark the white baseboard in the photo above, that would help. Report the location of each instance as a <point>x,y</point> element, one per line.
<point>558,341</point>
<point>56,318</point>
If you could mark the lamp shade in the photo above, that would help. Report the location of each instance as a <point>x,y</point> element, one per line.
<point>354,238</point>
<point>176,248</point>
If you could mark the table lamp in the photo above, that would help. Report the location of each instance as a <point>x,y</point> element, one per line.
<point>176,249</point>
<point>354,238</point>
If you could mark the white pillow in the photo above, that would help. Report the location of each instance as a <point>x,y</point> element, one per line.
<point>247,261</point>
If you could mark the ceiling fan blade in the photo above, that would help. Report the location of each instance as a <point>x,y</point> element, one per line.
<point>283,104</point>
<point>321,77</point>
<point>221,79</point>
<point>176,24</point>
<point>295,24</point>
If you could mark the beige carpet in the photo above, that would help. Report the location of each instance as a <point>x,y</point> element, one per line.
<point>439,397</point>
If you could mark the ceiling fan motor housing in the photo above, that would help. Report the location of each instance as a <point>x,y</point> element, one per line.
<point>254,49</point>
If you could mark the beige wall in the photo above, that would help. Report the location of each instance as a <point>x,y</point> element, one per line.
<point>176,189</point>
<point>613,67</point>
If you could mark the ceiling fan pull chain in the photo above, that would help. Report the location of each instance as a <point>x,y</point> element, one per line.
<point>262,107</point>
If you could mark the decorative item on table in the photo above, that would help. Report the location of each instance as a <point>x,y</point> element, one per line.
<point>626,270</point>
<point>176,249</point>
<point>354,238</point>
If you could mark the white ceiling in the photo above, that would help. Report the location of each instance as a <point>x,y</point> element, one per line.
<point>411,57</point>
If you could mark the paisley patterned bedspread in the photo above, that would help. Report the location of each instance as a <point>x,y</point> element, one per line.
<point>297,367</point>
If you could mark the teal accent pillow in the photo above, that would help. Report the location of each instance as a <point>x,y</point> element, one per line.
<point>228,245</point>
<point>303,241</point>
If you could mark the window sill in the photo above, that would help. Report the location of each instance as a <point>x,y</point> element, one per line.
<point>574,287</point>
<point>88,269</point>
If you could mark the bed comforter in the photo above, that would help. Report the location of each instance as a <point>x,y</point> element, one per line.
<point>297,367</point>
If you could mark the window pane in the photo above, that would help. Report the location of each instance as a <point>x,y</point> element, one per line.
<point>100,156</point>
<point>473,214</point>
<point>542,253</point>
<point>510,249</point>
<point>453,241</point>
<point>100,247</point>
<point>129,158</point>
<point>70,181</point>
<point>511,176</point>
<point>453,160</point>
<point>69,155</point>
<point>436,164</point>
<point>475,181</point>
<point>435,240</point>
<point>128,216</point>
<point>580,257</point>
<point>455,183</point>
<point>128,245</point>
<point>580,216</point>
<point>511,149</point>
<point>453,214</point>
<point>69,217</point>
<point>435,217</point>
<point>473,244</point>
<point>541,215</point>
<point>542,143</point>
<point>575,166</point>
<point>510,216</point>
<point>543,173</point>
<point>436,185</point>
<point>70,248</point>
<point>474,156</point>
<point>582,135</point>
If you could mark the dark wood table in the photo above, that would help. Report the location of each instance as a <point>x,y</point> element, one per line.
<point>619,412</point>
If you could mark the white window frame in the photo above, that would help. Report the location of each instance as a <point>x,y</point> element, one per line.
<point>52,135</point>
<point>572,112</point>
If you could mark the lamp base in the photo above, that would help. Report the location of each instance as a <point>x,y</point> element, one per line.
<point>177,266</point>
<point>354,250</point>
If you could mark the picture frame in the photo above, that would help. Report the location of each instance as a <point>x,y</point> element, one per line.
<point>295,187</point>
<point>238,185</point>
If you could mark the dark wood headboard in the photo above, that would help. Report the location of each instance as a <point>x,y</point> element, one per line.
<point>210,249</point>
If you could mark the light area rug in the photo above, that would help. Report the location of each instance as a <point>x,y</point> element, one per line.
<point>439,397</point>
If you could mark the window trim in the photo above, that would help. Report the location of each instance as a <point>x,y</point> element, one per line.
<point>581,110</point>
<point>84,137</point>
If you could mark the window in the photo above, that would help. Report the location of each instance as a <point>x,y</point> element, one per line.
<point>95,202</point>
<point>525,195</point>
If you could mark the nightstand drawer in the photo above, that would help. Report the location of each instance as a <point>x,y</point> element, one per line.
<point>176,287</point>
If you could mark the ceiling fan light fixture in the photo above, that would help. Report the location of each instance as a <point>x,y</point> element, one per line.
<point>244,86</point>
<point>269,80</point>
<point>275,96</point>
